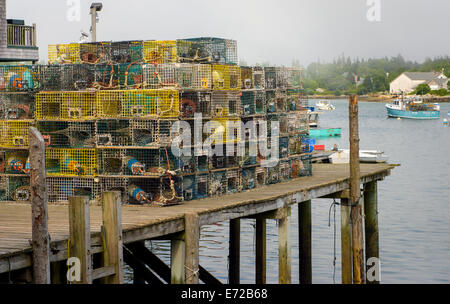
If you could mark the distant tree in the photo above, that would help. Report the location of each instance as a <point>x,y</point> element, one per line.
<point>423,89</point>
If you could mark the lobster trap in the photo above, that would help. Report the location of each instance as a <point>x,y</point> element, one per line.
<point>219,183</point>
<point>65,105</point>
<point>160,51</point>
<point>277,125</point>
<point>138,103</point>
<point>160,76</point>
<point>250,157</point>
<point>202,186</point>
<point>247,78</point>
<point>61,188</point>
<point>281,101</point>
<point>144,190</point>
<point>67,134</point>
<point>261,176</point>
<point>225,104</point>
<point>71,162</point>
<point>14,134</point>
<point>19,78</point>
<point>233,181</point>
<point>126,51</point>
<point>70,77</point>
<point>106,76</point>
<point>16,106</point>
<point>180,75</point>
<point>283,147</point>
<point>296,100</point>
<point>273,173</point>
<point>271,102</point>
<point>14,162</point>
<point>301,166</point>
<point>259,81</point>
<point>171,191</point>
<point>226,77</point>
<point>294,79</point>
<point>223,130</point>
<point>115,184</point>
<point>195,102</point>
<point>230,158</point>
<point>189,187</point>
<point>282,76</point>
<point>96,52</point>
<point>130,75</point>
<point>253,103</point>
<point>248,178</point>
<point>270,77</point>
<point>298,122</point>
<point>298,145</point>
<point>15,188</point>
<point>207,50</point>
<point>285,170</point>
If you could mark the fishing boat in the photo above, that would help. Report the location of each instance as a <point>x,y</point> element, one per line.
<point>319,133</point>
<point>325,106</point>
<point>413,108</point>
<point>365,156</point>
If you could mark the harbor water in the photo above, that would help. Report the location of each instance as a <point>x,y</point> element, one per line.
<point>413,205</point>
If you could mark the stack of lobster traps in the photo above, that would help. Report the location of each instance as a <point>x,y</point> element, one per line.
<point>115,115</point>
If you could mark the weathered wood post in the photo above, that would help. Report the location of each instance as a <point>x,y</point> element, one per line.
<point>112,235</point>
<point>371,229</point>
<point>304,242</point>
<point>192,237</point>
<point>260,262</point>
<point>356,211</point>
<point>80,236</point>
<point>234,252</point>
<point>39,210</point>
<point>346,243</point>
<point>177,260</point>
<point>284,247</point>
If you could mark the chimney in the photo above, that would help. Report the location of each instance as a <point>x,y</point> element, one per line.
<point>3,26</point>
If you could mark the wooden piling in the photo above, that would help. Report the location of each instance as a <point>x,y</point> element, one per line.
<point>260,273</point>
<point>39,210</point>
<point>177,260</point>
<point>192,238</point>
<point>112,235</point>
<point>346,243</point>
<point>371,224</point>
<point>356,211</point>
<point>304,242</point>
<point>80,236</point>
<point>284,247</point>
<point>234,252</point>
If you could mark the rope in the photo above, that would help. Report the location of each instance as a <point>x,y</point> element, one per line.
<point>9,271</point>
<point>193,272</point>
<point>333,205</point>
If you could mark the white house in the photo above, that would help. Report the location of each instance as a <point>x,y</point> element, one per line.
<point>408,81</point>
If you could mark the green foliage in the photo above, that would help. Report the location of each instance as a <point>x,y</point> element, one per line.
<point>441,92</point>
<point>422,89</point>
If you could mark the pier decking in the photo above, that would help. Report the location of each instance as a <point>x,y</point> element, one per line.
<point>143,222</point>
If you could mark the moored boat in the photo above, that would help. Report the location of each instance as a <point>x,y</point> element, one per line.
<point>413,108</point>
<point>365,156</point>
<point>325,106</point>
<point>331,132</point>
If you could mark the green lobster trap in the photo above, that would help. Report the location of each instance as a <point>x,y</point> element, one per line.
<point>207,50</point>
<point>126,51</point>
<point>67,134</point>
<point>19,78</point>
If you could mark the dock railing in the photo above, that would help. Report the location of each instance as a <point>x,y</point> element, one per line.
<point>21,35</point>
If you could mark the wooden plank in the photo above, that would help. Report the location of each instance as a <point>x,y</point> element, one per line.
<point>304,242</point>
<point>103,272</point>
<point>284,249</point>
<point>346,243</point>
<point>177,260</point>
<point>112,235</point>
<point>356,211</point>
<point>192,238</point>
<point>39,213</point>
<point>260,273</point>
<point>371,230</point>
<point>234,252</point>
<point>80,236</point>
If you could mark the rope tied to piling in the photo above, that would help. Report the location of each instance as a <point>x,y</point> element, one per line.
<point>193,272</point>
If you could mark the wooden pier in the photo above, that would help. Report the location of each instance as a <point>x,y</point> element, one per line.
<point>100,231</point>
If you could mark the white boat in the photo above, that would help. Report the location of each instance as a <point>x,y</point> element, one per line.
<point>365,156</point>
<point>325,106</point>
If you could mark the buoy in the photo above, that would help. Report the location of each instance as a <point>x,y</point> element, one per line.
<point>15,165</point>
<point>135,166</point>
<point>73,165</point>
<point>138,194</point>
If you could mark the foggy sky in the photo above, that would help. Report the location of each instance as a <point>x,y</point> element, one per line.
<point>276,31</point>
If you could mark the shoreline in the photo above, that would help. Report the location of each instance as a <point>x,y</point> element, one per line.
<point>382,98</point>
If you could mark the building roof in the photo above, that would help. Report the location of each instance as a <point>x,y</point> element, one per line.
<point>426,76</point>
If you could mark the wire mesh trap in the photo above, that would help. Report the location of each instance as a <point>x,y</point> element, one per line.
<point>126,51</point>
<point>202,185</point>
<point>253,102</point>
<point>130,75</point>
<point>71,162</point>
<point>233,181</point>
<point>284,147</point>
<point>115,184</point>
<point>66,134</point>
<point>219,183</point>
<point>261,176</point>
<point>298,145</point>
<point>65,105</point>
<point>184,76</point>
<point>298,122</point>
<point>14,162</point>
<point>160,51</point>
<point>61,188</point>
<point>15,188</point>
<point>144,190</point>
<point>259,81</point>
<point>225,104</point>
<point>294,79</point>
<point>92,53</point>
<point>246,78</point>
<point>301,166</point>
<point>273,173</point>
<point>16,106</point>
<point>270,77</point>
<point>207,50</point>
<point>171,191</point>
<point>248,179</point>
<point>282,76</point>
<point>70,77</point>
<point>14,134</point>
<point>195,102</point>
<point>285,170</point>
<point>224,130</point>
<point>189,192</point>
<point>19,78</point>
<point>226,77</point>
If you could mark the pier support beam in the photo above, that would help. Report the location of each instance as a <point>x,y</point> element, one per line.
<point>284,247</point>
<point>260,273</point>
<point>112,236</point>
<point>177,259</point>
<point>80,237</point>
<point>346,243</point>
<point>39,210</point>
<point>192,238</point>
<point>304,242</point>
<point>371,231</point>
<point>234,252</point>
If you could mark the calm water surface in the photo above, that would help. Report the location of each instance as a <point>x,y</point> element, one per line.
<point>414,207</point>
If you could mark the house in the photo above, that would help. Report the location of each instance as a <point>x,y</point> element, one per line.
<point>408,81</point>
<point>17,40</point>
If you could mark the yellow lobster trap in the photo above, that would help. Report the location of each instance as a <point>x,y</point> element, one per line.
<point>14,134</point>
<point>65,105</point>
<point>160,51</point>
<point>223,130</point>
<point>226,77</point>
<point>138,104</point>
<point>79,53</point>
<point>71,162</point>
